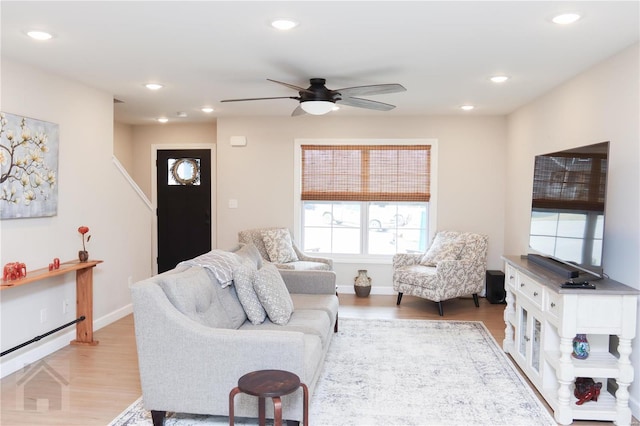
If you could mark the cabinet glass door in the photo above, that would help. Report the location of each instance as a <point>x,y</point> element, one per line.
<point>535,347</point>
<point>522,341</point>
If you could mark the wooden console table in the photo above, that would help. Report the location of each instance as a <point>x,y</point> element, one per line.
<point>84,293</point>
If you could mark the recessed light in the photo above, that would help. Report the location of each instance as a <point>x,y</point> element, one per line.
<point>163,119</point>
<point>565,18</point>
<point>153,86</point>
<point>206,109</point>
<point>499,78</point>
<point>39,35</point>
<point>467,107</point>
<point>284,24</point>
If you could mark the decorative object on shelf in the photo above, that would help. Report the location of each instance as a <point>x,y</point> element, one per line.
<point>83,254</point>
<point>14,270</point>
<point>580,347</point>
<point>29,167</point>
<point>56,263</point>
<point>362,283</point>
<point>586,390</point>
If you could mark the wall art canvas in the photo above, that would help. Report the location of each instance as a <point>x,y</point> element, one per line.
<point>28,167</point>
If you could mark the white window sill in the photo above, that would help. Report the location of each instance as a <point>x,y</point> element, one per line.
<point>355,258</point>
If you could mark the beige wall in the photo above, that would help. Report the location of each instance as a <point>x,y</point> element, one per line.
<point>123,145</point>
<point>143,137</point>
<point>260,176</point>
<point>91,192</point>
<point>601,104</point>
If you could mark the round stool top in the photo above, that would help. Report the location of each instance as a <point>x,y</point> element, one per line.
<point>269,383</point>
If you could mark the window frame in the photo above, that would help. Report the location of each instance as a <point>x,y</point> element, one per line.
<point>297,202</point>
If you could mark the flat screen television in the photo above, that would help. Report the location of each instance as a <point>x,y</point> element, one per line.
<point>568,210</point>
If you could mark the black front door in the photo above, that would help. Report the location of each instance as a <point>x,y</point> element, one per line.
<point>184,205</point>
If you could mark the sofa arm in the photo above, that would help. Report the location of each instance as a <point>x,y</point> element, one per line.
<point>189,367</point>
<point>309,282</point>
<point>406,259</point>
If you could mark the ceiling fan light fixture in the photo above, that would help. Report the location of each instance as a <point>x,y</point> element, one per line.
<point>317,107</point>
<point>284,24</point>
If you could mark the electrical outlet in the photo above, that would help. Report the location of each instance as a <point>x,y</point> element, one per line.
<point>43,315</point>
<point>65,306</point>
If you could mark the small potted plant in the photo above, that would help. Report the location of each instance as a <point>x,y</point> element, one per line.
<point>83,254</point>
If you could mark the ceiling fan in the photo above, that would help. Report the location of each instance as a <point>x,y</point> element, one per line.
<point>317,99</point>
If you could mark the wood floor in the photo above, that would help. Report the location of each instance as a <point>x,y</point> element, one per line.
<point>99,382</point>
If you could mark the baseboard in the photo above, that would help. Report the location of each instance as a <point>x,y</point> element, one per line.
<point>29,356</point>
<point>380,290</point>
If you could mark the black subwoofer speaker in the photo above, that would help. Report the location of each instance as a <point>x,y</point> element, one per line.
<point>495,287</point>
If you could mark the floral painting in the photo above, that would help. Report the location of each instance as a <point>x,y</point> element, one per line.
<point>28,167</point>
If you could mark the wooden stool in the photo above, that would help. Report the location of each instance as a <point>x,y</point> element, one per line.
<point>270,384</point>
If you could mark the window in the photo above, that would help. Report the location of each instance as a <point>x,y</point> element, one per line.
<point>365,199</point>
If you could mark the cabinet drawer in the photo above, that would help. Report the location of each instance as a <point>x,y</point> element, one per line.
<point>553,304</point>
<point>511,276</point>
<point>530,288</point>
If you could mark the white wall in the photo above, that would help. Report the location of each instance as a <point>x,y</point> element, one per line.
<point>471,174</point>
<point>601,104</point>
<point>92,192</point>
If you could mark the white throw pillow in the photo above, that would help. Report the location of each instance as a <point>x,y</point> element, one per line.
<point>273,294</point>
<point>279,245</point>
<point>243,278</point>
<point>447,245</point>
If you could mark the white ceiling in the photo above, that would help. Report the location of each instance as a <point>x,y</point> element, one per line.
<point>442,52</point>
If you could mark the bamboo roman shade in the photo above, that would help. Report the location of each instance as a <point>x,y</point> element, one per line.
<point>366,173</point>
<point>570,181</point>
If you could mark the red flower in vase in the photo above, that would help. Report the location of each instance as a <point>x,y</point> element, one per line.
<point>83,230</point>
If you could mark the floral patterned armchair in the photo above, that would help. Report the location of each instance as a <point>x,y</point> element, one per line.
<point>455,265</point>
<point>276,246</point>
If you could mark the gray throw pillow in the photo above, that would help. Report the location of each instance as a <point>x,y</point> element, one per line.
<point>273,294</point>
<point>249,252</point>
<point>243,277</point>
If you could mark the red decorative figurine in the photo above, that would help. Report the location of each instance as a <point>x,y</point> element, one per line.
<point>14,271</point>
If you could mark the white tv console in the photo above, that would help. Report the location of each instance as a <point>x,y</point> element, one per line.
<point>541,321</point>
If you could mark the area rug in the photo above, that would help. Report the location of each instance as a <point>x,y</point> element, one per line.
<point>406,372</point>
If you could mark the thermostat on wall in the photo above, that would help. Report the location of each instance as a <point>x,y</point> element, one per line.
<point>238,140</point>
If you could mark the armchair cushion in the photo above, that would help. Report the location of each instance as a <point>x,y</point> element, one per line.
<point>279,246</point>
<point>273,294</point>
<point>447,245</point>
<point>243,278</point>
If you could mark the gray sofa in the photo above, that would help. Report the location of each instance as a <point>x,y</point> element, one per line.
<point>194,340</point>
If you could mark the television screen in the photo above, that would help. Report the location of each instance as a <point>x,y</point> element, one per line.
<point>568,206</point>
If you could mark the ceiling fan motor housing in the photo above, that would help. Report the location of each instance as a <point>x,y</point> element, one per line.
<point>318,92</point>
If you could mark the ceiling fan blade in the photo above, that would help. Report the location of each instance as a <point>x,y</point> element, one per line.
<point>260,99</point>
<point>298,111</point>
<point>365,103</point>
<point>374,89</point>
<point>291,86</point>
